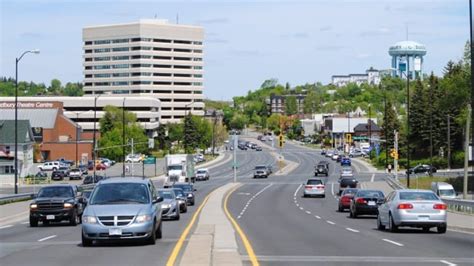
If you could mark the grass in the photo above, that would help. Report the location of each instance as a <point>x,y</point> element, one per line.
<point>422,182</point>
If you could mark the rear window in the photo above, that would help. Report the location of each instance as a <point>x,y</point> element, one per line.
<point>346,181</point>
<point>321,166</point>
<point>314,182</point>
<point>261,167</point>
<point>370,194</point>
<point>418,196</point>
<point>349,192</point>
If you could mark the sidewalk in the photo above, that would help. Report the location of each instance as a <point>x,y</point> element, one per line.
<point>214,240</point>
<point>456,221</point>
<point>14,212</point>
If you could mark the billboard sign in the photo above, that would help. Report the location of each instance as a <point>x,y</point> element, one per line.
<point>37,134</point>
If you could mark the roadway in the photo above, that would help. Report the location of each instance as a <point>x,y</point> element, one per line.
<point>61,244</point>
<point>287,229</point>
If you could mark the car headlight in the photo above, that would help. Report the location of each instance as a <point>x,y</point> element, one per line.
<point>143,218</point>
<point>166,205</point>
<point>190,195</point>
<point>89,219</point>
<point>67,205</point>
<point>33,206</point>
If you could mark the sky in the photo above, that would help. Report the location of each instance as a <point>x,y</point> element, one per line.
<point>246,42</point>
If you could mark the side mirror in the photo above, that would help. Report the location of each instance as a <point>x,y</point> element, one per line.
<point>158,200</point>
<point>83,200</point>
<point>34,196</point>
<point>194,189</point>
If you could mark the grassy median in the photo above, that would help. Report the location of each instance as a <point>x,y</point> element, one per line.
<point>423,182</point>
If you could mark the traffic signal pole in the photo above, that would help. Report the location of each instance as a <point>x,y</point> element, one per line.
<point>395,161</point>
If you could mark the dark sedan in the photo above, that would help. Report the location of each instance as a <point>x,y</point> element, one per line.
<point>188,190</point>
<point>366,202</point>
<point>422,168</point>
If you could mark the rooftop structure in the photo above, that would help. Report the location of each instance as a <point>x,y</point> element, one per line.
<point>407,59</point>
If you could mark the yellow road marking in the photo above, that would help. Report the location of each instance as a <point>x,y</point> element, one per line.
<point>174,254</point>
<point>242,235</point>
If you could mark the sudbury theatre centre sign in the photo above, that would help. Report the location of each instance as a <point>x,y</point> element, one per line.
<point>32,105</point>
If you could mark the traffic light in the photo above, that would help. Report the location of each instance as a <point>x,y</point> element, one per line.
<point>349,138</point>
<point>280,140</point>
<point>394,154</point>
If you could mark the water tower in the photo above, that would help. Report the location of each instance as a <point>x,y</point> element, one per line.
<point>407,54</point>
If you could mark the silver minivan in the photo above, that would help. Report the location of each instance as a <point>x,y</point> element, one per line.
<point>443,190</point>
<point>122,209</point>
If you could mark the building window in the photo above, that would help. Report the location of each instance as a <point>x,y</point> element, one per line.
<point>197,59</point>
<point>102,58</point>
<point>162,49</point>
<point>120,74</point>
<point>123,57</point>
<point>161,83</point>
<point>138,74</point>
<point>102,42</point>
<point>162,40</point>
<point>162,57</point>
<point>138,48</point>
<point>141,82</point>
<point>197,83</point>
<point>120,49</point>
<point>102,50</point>
<point>198,51</point>
<point>140,65</point>
<point>89,51</point>
<point>120,92</point>
<point>102,67</point>
<point>182,83</point>
<point>197,75</point>
<point>88,43</point>
<point>120,66</point>
<point>141,40</point>
<point>182,42</point>
<point>162,91</point>
<point>162,74</point>
<point>88,67</point>
<point>182,75</point>
<point>7,169</point>
<point>88,59</point>
<point>197,67</point>
<point>89,76</point>
<point>141,56</point>
<point>182,50</point>
<point>197,43</point>
<point>162,66</point>
<point>102,84</point>
<point>197,92</point>
<point>102,76</point>
<point>183,58</point>
<point>120,41</point>
<point>120,83</point>
<point>182,67</point>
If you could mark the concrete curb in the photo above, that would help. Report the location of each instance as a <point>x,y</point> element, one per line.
<point>214,240</point>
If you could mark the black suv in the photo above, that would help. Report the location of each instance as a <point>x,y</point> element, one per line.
<point>57,203</point>
<point>347,182</point>
<point>321,169</point>
<point>58,175</point>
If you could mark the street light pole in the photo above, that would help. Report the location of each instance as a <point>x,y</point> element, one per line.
<point>17,60</point>
<point>370,135</point>
<point>408,121</point>
<point>77,129</point>
<point>94,139</point>
<point>123,137</point>
<point>431,127</point>
<point>385,125</point>
<point>213,132</point>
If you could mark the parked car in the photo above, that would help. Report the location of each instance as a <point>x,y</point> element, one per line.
<point>133,158</point>
<point>49,166</point>
<point>347,182</point>
<point>58,175</point>
<point>202,174</point>
<point>91,180</point>
<point>55,204</point>
<point>41,175</point>
<point>181,198</point>
<point>188,190</point>
<point>314,187</point>
<point>100,167</point>
<point>258,148</point>
<point>84,169</point>
<point>66,162</point>
<point>366,201</point>
<point>107,162</point>
<point>75,173</point>
<point>357,153</point>
<point>414,208</point>
<point>123,209</point>
<point>422,168</point>
<point>323,152</point>
<point>346,197</point>
<point>321,169</point>
<point>170,205</point>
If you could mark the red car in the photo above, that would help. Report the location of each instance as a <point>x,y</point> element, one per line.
<point>345,200</point>
<point>100,166</point>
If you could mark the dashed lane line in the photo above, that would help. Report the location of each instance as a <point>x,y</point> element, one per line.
<point>6,226</point>
<point>448,263</point>
<point>317,217</point>
<point>352,230</point>
<point>251,199</point>
<point>296,191</point>
<point>393,242</point>
<point>308,212</point>
<point>331,222</point>
<point>46,238</point>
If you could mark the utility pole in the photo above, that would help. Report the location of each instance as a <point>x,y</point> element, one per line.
<point>123,137</point>
<point>235,157</point>
<point>213,133</point>
<point>385,125</point>
<point>133,154</point>
<point>466,152</point>
<point>395,146</point>
<point>370,135</point>
<point>408,121</point>
<point>431,129</point>
<point>449,144</point>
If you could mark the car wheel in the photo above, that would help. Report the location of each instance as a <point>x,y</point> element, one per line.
<point>339,208</point>
<point>33,222</point>
<point>177,216</point>
<point>323,196</point>
<point>354,214</point>
<point>442,229</point>
<point>426,229</point>
<point>152,238</point>
<point>391,224</point>
<point>159,233</point>
<point>74,220</point>
<point>185,209</point>
<point>380,226</point>
<point>85,241</point>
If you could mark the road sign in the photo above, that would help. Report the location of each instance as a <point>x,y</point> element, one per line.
<point>149,160</point>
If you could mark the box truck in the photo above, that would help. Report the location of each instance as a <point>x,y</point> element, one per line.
<point>179,168</point>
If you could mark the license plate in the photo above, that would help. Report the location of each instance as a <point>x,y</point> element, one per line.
<point>371,203</point>
<point>115,231</point>
<point>423,218</point>
<point>50,217</point>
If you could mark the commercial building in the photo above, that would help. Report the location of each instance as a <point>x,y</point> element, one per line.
<point>55,135</point>
<point>371,76</point>
<point>81,110</point>
<point>339,126</point>
<point>147,58</point>
<point>7,149</point>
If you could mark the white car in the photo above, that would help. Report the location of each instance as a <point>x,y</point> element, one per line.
<point>133,158</point>
<point>49,166</point>
<point>202,174</point>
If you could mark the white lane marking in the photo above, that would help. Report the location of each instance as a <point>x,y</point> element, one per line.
<point>372,178</point>
<point>25,222</point>
<point>330,222</point>
<point>243,193</point>
<point>308,212</point>
<point>352,230</point>
<point>301,208</point>
<point>238,217</point>
<point>297,205</point>
<point>317,217</point>
<point>448,263</point>
<point>332,189</point>
<point>393,242</point>
<point>46,238</point>
<point>251,199</point>
<point>296,191</point>
<point>6,226</point>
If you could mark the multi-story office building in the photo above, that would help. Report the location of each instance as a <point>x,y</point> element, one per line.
<point>277,103</point>
<point>148,58</point>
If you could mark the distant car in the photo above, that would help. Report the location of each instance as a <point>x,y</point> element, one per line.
<point>41,174</point>
<point>90,180</point>
<point>324,162</point>
<point>58,175</point>
<point>321,169</point>
<point>259,137</point>
<point>422,168</point>
<point>346,170</point>
<point>170,205</point>
<point>366,202</point>
<point>75,173</point>
<point>181,198</point>
<point>443,190</point>
<point>258,148</point>
<point>335,156</point>
<point>323,152</point>
<point>133,158</point>
<point>345,161</point>
<point>414,208</point>
<point>188,190</point>
<point>49,166</point>
<point>329,154</point>
<point>123,209</point>
<point>253,146</point>
<point>108,163</point>
<point>66,162</point>
<point>84,169</point>
<point>357,153</point>
<point>100,167</point>
<point>260,171</point>
<point>347,182</point>
<point>269,169</point>
<point>202,174</point>
<point>314,187</point>
<point>346,197</point>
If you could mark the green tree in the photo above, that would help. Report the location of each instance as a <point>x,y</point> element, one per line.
<point>238,121</point>
<point>291,107</point>
<point>392,123</point>
<point>73,89</point>
<point>55,88</point>
<point>419,119</point>
<point>311,103</point>
<point>191,134</point>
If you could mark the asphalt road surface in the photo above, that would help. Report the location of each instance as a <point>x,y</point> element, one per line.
<point>287,229</point>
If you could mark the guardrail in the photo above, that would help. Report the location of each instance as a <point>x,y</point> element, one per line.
<point>23,196</point>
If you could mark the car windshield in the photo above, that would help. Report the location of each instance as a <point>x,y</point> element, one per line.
<point>314,182</point>
<point>175,167</point>
<point>418,196</point>
<point>178,192</point>
<point>185,188</point>
<point>261,167</point>
<point>166,194</point>
<point>56,192</point>
<point>347,181</point>
<point>201,171</point>
<point>120,193</point>
<point>349,192</point>
<point>369,194</point>
<point>446,192</point>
